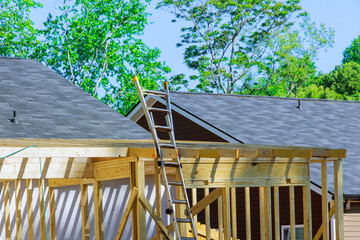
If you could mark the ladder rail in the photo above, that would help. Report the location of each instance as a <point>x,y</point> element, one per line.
<point>148,111</point>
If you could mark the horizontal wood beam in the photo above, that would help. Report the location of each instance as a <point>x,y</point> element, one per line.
<point>243,172</point>
<point>192,153</point>
<point>64,152</point>
<point>212,165</point>
<point>28,168</point>
<point>63,182</point>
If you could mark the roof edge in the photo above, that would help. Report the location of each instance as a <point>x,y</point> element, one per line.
<point>265,97</point>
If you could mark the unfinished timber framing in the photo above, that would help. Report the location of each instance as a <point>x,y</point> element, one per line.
<point>219,169</point>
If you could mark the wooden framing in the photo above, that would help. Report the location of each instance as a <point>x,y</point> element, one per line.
<point>52,213</point>
<point>222,167</point>
<point>276,213</point>
<point>85,228</point>
<point>292,212</point>
<point>339,206</point>
<point>233,213</point>
<point>262,213</point>
<point>247,213</point>
<point>220,220</point>
<point>307,214</point>
<point>41,208</point>
<point>18,208</point>
<point>324,201</point>
<point>98,211</point>
<point>7,210</point>
<point>29,206</point>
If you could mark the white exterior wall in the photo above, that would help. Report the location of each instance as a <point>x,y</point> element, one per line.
<point>68,210</point>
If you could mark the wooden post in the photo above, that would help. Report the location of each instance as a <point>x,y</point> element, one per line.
<point>42,210</point>
<point>194,202</point>
<point>248,213</point>
<point>292,212</point>
<point>262,212</point>
<point>339,207</point>
<point>85,212</point>
<point>207,216</point>
<point>158,197</point>
<point>266,229</point>
<point>134,214</point>
<point>52,213</point>
<point>268,210</point>
<point>307,211</point>
<point>139,211</point>
<point>226,211</point>
<point>30,212</point>
<point>233,213</point>
<point>220,218</point>
<point>276,213</point>
<point>7,210</point>
<point>98,211</point>
<point>18,208</point>
<point>324,200</point>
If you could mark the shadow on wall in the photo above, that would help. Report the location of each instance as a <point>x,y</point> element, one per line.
<point>68,209</point>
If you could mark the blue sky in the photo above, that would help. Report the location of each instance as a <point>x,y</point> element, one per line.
<point>343,16</point>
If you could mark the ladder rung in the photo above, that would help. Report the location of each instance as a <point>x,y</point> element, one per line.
<point>183,220</point>
<point>154,92</point>
<point>171,164</point>
<point>163,128</point>
<point>158,110</point>
<point>178,201</point>
<point>175,183</point>
<point>166,145</point>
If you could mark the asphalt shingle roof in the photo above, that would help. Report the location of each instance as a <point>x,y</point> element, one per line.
<point>278,121</point>
<point>50,107</point>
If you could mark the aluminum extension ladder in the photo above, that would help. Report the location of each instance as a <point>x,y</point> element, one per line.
<point>169,128</point>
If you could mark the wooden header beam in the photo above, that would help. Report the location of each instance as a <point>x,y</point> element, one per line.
<point>106,162</point>
<point>124,144</point>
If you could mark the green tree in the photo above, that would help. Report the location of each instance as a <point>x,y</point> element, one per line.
<point>344,80</point>
<point>18,37</point>
<point>226,39</point>
<point>289,64</point>
<point>93,44</point>
<point>318,91</point>
<point>352,53</point>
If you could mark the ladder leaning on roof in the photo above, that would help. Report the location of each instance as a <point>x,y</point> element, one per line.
<point>154,129</point>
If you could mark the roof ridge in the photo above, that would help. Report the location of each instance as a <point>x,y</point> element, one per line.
<point>271,97</point>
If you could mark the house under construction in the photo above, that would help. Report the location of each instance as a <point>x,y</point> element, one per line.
<point>56,139</point>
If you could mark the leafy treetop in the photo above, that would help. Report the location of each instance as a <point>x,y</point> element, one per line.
<point>352,53</point>
<point>18,37</point>
<point>226,39</point>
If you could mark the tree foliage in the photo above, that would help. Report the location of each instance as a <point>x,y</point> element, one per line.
<point>352,53</point>
<point>94,45</point>
<point>344,80</point>
<point>226,39</point>
<point>18,37</point>
<point>289,64</point>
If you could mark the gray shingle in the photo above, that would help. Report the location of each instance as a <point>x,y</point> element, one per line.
<point>50,107</point>
<point>278,121</point>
